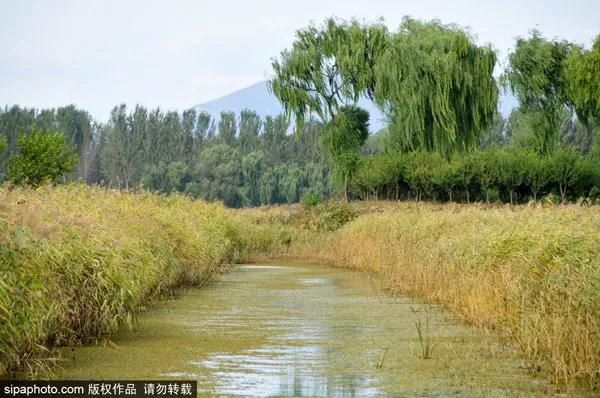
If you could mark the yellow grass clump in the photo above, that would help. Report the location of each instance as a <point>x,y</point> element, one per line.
<point>77,261</point>
<point>531,273</point>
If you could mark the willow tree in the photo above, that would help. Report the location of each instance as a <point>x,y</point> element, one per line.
<point>582,71</point>
<point>324,74</point>
<point>343,139</point>
<point>535,74</point>
<point>327,67</point>
<point>436,86</point>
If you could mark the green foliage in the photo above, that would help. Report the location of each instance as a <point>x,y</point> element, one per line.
<point>446,177</point>
<point>431,79</point>
<point>217,175</point>
<point>227,128</point>
<point>510,171</point>
<point>537,172</point>
<point>437,87</point>
<point>380,176</point>
<point>467,166</point>
<point>496,134</point>
<point>565,168</point>
<point>3,148</point>
<point>329,216</point>
<point>76,124</point>
<point>327,67</point>
<point>536,75</point>
<point>510,175</point>
<point>252,169</point>
<point>311,199</point>
<point>421,167</point>
<point>166,178</point>
<point>344,137</point>
<point>582,72</point>
<point>3,145</point>
<point>43,156</point>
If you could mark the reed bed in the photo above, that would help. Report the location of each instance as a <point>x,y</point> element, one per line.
<point>531,273</point>
<point>76,262</point>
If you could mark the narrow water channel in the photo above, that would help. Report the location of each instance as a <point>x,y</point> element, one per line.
<point>301,330</point>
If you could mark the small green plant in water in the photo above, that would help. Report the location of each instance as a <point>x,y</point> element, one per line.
<point>379,364</point>
<point>424,333</point>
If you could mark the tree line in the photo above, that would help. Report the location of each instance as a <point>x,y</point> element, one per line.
<point>509,175</point>
<point>239,159</point>
<point>433,82</point>
<point>436,86</point>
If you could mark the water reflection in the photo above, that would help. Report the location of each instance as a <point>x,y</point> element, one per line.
<point>303,331</point>
<point>282,371</point>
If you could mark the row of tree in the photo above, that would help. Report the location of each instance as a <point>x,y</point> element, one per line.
<point>510,175</point>
<point>432,80</point>
<point>239,159</point>
<point>76,124</point>
<point>436,85</point>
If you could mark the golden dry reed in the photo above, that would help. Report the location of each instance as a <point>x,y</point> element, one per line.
<point>76,262</point>
<point>531,273</point>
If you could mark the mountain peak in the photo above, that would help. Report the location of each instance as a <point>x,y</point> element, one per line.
<point>257,98</point>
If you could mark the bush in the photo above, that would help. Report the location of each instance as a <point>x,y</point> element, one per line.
<point>565,169</point>
<point>513,175</point>
<point>329,216</point>
<point>42,156</point>
<point>311,199</point>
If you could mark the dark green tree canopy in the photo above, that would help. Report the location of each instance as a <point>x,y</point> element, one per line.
<point>437,87</point>
<point>344,137</point>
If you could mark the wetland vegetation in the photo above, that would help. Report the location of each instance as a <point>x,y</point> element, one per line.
<point>481,277</point>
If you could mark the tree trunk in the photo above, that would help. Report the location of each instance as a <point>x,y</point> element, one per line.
<point>346,187</point>
<point>450,195</point>
<point>510,192</point>
<point>468,197</point>
<point>563,192</point>
<point>487,196</point>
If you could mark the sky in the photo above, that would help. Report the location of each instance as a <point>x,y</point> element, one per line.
<point>176,54</point>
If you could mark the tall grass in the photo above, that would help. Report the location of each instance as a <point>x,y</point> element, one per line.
<point>531,273</point>
<point>76,262</point>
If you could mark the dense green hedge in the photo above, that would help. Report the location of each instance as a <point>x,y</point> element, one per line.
<point>510,176</point>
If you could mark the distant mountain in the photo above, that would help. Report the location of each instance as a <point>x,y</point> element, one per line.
<point>258,98</point>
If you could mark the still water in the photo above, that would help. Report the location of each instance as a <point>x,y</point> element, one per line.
<point>302,330</point>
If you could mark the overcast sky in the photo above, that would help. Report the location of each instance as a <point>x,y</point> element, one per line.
<point>176,54</point>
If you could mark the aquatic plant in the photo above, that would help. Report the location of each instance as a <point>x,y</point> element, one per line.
<point>424,334</point>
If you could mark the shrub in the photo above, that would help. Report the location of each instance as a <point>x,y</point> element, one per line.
<point>42,156</point>
<point>565,169</point>
<point>329,216</point>
<point>311,199</point>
